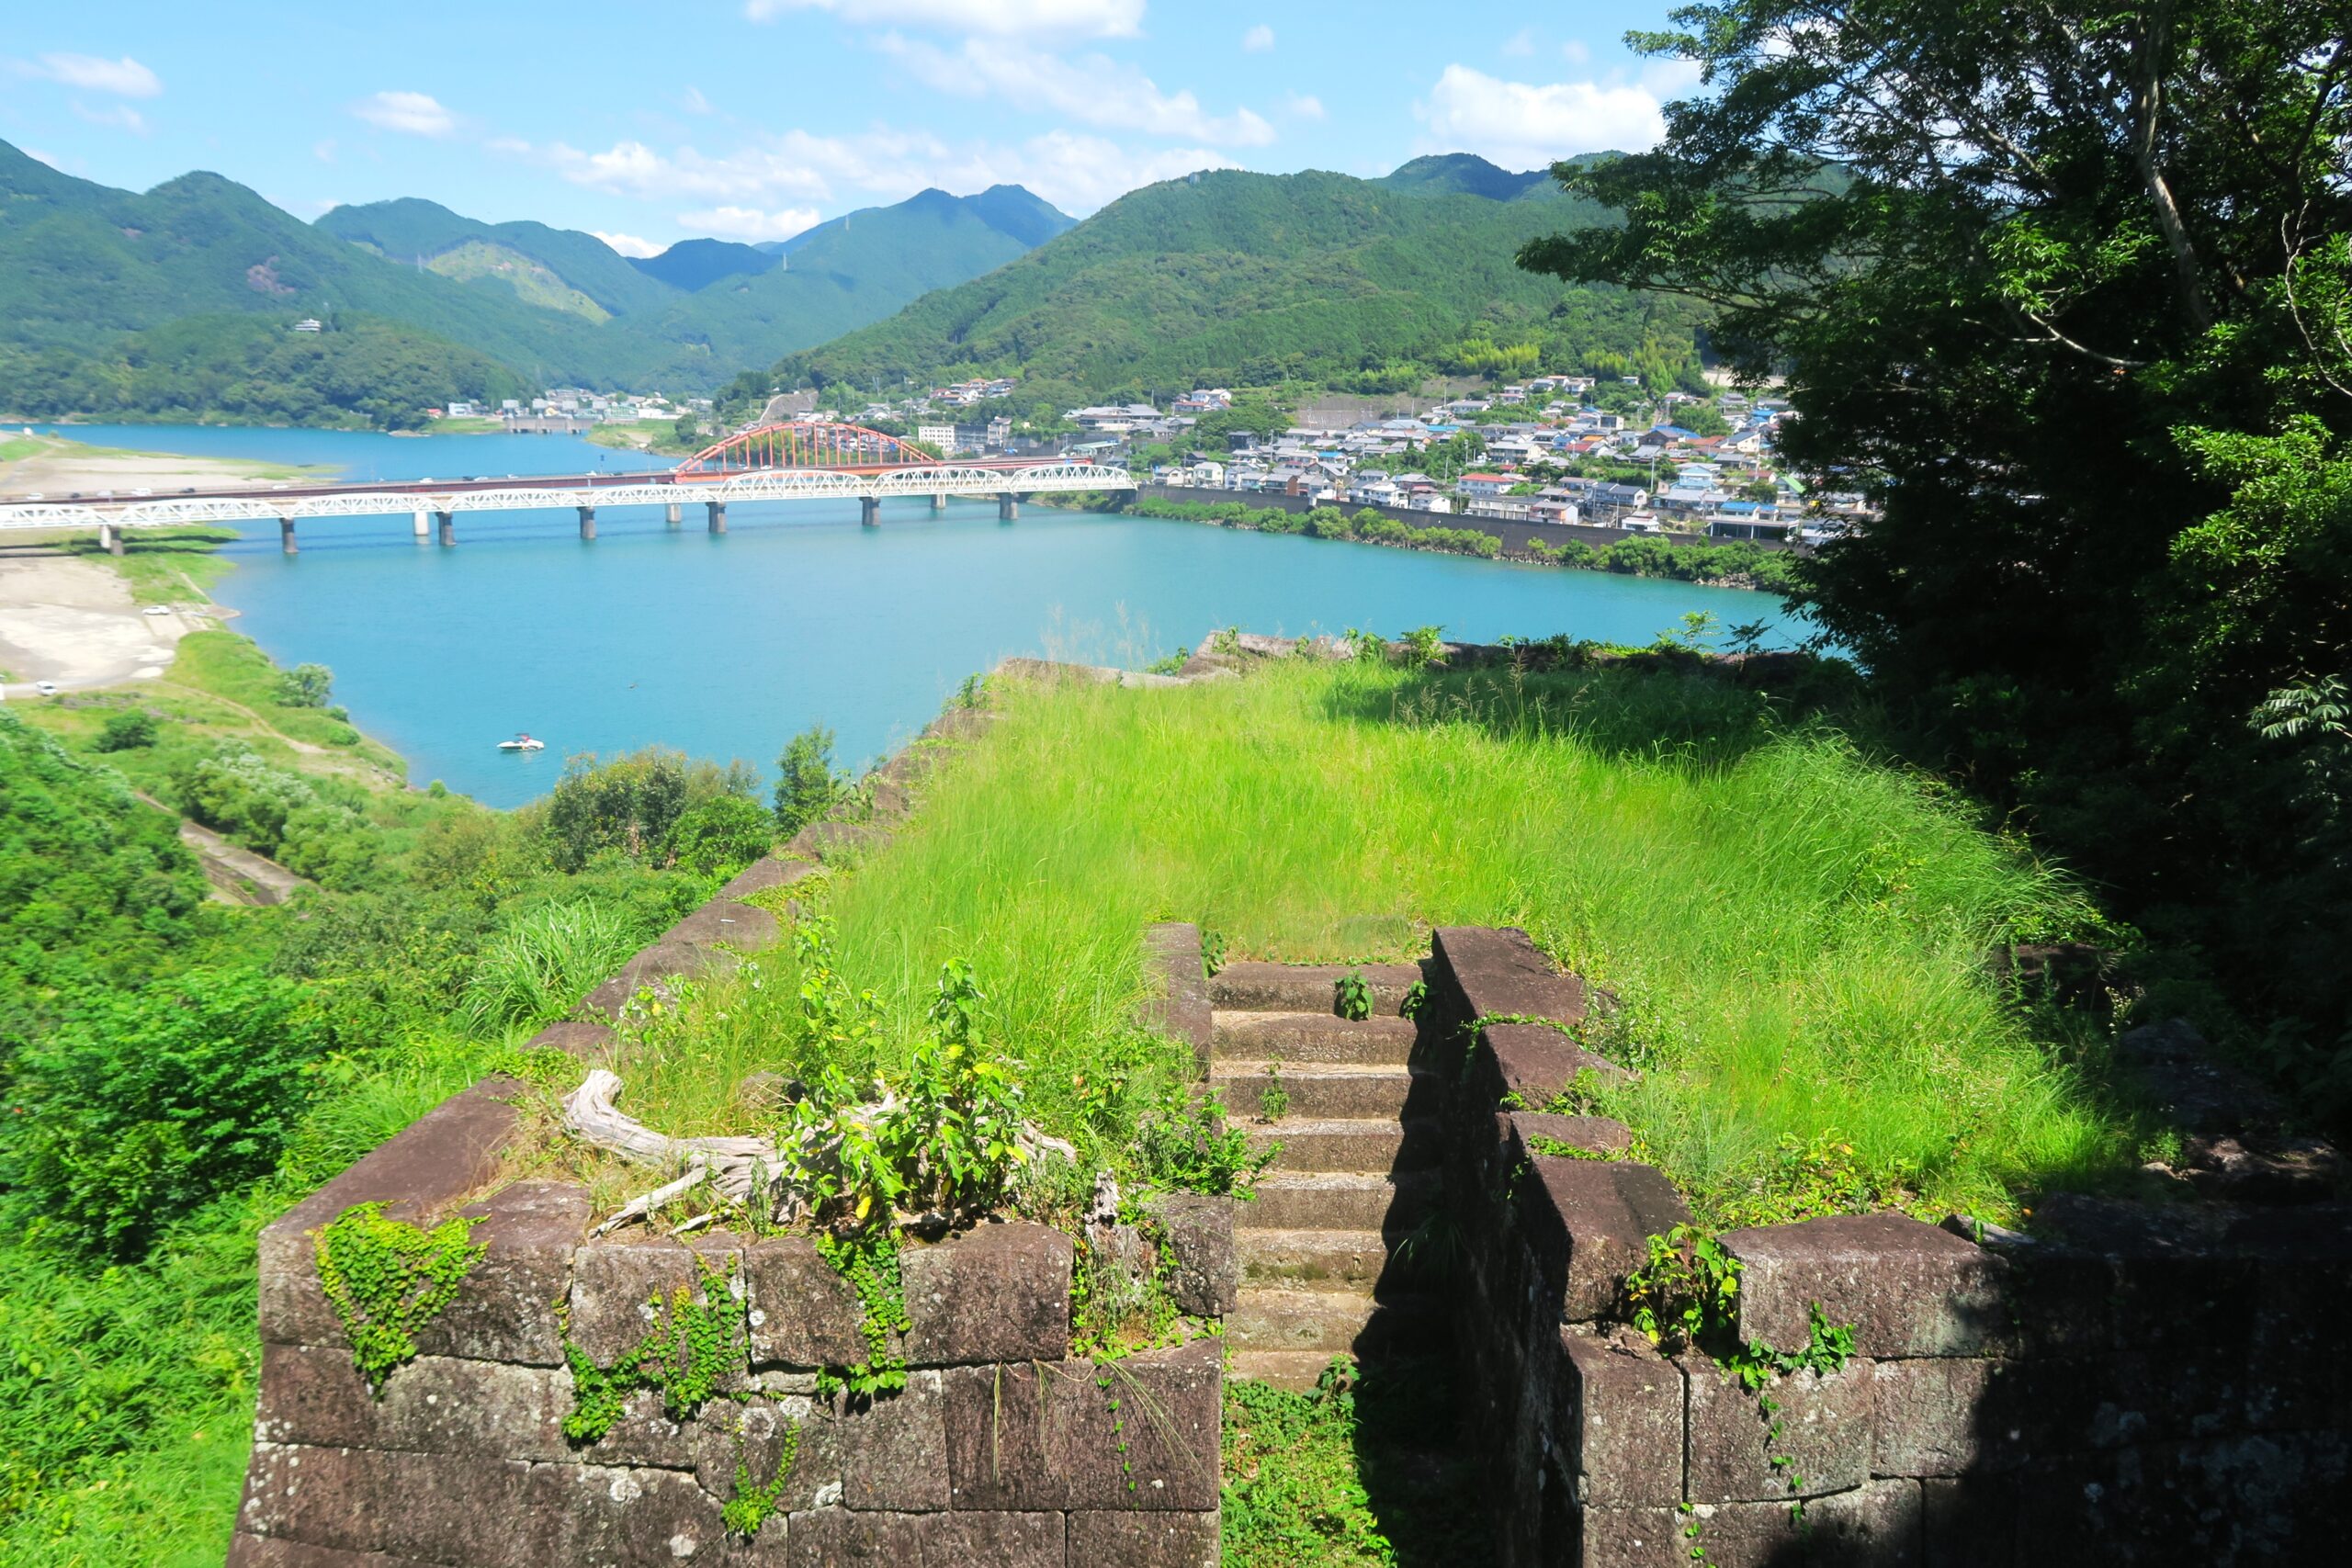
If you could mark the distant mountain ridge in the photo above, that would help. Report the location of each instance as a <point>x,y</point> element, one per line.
<point>85,267</point>
<point>1235,278</point>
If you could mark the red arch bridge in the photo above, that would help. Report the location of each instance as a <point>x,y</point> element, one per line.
<point>771,462</point>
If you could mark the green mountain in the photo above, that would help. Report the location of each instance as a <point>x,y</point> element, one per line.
<point>1466,173</point>
<point>87,270</point>
<point>1245,279</point>
<point>698,263</point>
<point>428,235</point>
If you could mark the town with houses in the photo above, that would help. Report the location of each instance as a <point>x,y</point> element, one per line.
<point>1531,445</point>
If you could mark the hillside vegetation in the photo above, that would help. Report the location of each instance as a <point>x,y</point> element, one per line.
<point>89,275</point>
<point>1235,278</point>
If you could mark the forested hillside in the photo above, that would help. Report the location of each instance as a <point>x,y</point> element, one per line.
<point>84,269</point>
<point>177,1071</point>
<point>1242,278</point>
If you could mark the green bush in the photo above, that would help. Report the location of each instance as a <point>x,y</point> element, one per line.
<point>306,686</point>
<point>125,732</point>
<point>545,962</point>
<point>630,803</point>
<point>807,785</point>
<point>722,836</point>
<point>142,1106</point>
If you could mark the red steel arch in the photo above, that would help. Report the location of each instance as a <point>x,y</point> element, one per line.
<point>801,445</point>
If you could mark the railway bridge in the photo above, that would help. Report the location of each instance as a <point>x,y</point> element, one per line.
<point>771,462</point>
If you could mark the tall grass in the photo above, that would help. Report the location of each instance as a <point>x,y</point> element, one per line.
<point>1798,932</point>
<point>543,964</point>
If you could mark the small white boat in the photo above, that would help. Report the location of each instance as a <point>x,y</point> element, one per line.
<point>523,742</point>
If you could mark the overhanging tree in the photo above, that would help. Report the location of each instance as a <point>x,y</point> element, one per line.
<point>2064,286</point>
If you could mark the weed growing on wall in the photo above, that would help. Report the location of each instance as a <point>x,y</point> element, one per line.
<point>686,1354</point>
<point>869,1259</point>
<point>389,1279</point>
<point>754,1500</point>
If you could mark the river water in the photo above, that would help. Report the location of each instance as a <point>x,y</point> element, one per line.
<point>726,647</point>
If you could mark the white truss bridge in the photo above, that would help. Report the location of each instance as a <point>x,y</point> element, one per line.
<point>584,493</point>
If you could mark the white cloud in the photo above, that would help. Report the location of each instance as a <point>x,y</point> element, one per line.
<point>749,224</point>
<point>1076,172</point>
<point>52,159</point>
<point>125,78</point>
<point>323,150</point>
<point>1092,90</point>
<point>1520,43</point>
<point>412,114</point>
<point>1576,52</point>
<point>629,245</point>
<point>120,115</point>
<point>1304,106</point>
<point>694,102</point>
<point>1258,39</point>
<point>792,165</point>
<point>1089,18</point>
<point>1524,126</point>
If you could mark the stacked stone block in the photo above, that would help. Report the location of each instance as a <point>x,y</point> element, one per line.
<point>2136,1386</point>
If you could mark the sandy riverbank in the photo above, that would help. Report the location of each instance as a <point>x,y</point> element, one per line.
<point>51,467</point>
<point>73,621</point>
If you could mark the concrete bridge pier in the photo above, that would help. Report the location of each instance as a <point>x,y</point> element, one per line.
<point>285,537</point>
<point>448,526</point>
<point>1008,507</point>
<point>587,523</point>
<point>718,515</point>
<point>424,528</point>
<point>674,515</point>
<point>110,536</point>
<point>939,501</point>
<point>870,511</point>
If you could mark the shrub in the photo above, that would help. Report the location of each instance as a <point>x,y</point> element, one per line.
<point>806,786</point>
<point>126,732</point>
<point>630,803</point>
<point>721,836</point>
<point>305,686</point>
<point>142,1106</point>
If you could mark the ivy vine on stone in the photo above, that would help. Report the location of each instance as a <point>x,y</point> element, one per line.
<point>387,1279</point>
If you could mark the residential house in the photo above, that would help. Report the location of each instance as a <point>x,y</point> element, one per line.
<point>1486,484</point>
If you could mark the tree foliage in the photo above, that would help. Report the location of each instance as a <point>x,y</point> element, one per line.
<point>2065,287</point>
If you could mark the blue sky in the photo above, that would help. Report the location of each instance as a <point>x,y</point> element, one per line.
<point>751,119</point>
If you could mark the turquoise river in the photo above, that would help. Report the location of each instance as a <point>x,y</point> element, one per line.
<point>726,647</point>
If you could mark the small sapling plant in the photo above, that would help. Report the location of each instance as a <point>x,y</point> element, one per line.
<point>1273,1101</point>
<point>1353,997</point>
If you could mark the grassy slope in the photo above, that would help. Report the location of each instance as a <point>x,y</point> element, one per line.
<point>1799,934</point>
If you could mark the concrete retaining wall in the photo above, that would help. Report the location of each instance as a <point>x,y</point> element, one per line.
<point>2141,1385</point>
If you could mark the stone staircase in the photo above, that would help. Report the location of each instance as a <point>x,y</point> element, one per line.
<point>1356,1123</point>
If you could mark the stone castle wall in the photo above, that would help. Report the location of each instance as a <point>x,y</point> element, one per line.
<point>1003,1447</point>
<point>2141,1385</point>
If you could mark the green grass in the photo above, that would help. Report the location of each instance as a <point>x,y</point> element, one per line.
<point>162,566</point>
<point>1799,934</point>
<point>1354,1474</point>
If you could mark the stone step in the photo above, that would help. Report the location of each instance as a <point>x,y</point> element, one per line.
<point>1296,1371</point>
<point>1339,1200</point>
<point>1306,1037</point>
<point>1311,1259</point>
<point>1331,1321</point>
<point>1324,1090</point>
<point>1349,1144</point>
<point>1307,988</point>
